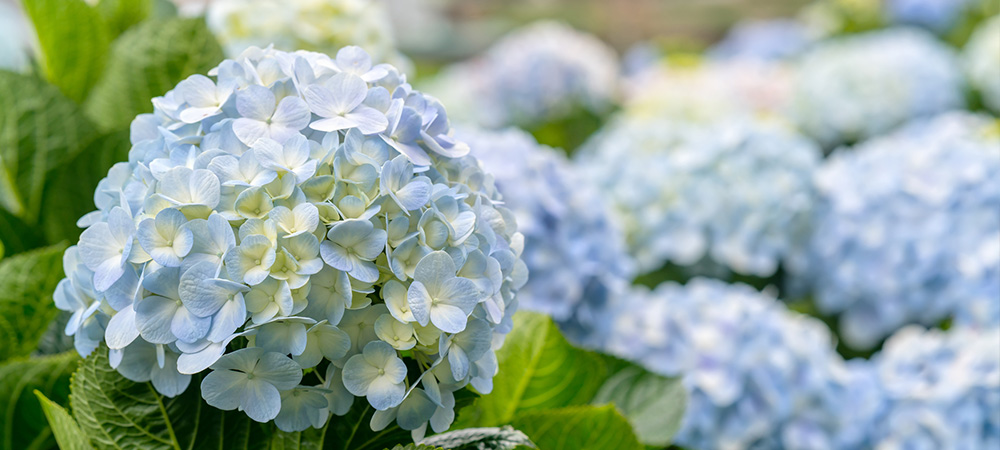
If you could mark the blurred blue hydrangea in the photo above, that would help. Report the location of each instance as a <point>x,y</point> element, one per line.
<point>851,88</point>
<point>16,37</point>
<point>942,389</point>
<point>773,39</point>
<point>573,250</point>
<point>542,72</point>
<point>752,369</point>
<point>936,15</point>
<point>737,191</point>
<point>317,208</point>
<point>982,62</point>
<point>908,230</point>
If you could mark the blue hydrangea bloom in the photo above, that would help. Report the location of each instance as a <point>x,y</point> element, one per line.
<point>752,369</point>
<point>942,389</point>
<point>851,88</point>
<point>907,229</point>
<point>773,39</point>
<point>317,207</point>
<point>936,15</point>
<point>575,253</point>
<point>737,192</point>
<point>544,71</point>
<point>982,62</point>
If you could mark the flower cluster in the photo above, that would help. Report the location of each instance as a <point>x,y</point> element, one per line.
<point>982,62</point>
<point>907,229</point>
<point>315,25</point>
<point>774,39</point>
<point>737,191</point>
<point>941,389</point>
<point>851,88</point>
<point>939,16</point>
<point>542,72</point>
<point>298,212</point>
<point>575,254</point>
<point>750,367</point>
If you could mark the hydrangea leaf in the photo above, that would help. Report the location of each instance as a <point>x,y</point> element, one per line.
<point>579,427</point>
<point>69,194</point>
<point>22,423</point>
<point>39,129</point>
<point>502,438</point>
<point>27,281</point>
<point>120,15</point>
<point>102,400</point>
<point>67,433</point>
<point>146,61</point>
<point>17,236</point>
<point>543,371</point>
<point>74,44</point>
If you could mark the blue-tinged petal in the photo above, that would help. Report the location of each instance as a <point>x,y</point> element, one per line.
<point>121,330</point>
<point>368,120</point>
<point>384,393</point>
<point>292,113</point>
<point>250,131</point>
<point>415,410</point>
<point>420,302</point>
<point>189,327</point>
<point>167,380</point>
<point>230,317</point>
<point>300,409</point>
<point>255,102</point>
<point>279,370</point>
<point>153,317</point>
<point>448,318</point>
<point>348,92</point>
<point>260,400</point>
<point>282,337</point>
<point>223,389</point>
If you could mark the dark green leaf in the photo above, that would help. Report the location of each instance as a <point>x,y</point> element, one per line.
<point>578,428</point>
<point>70,191</point>
<point>415,447</point>
<point>350,432</point>
<point>23,424</point>
<point>147,61</point>
<point>64,427</point>
<point>74,44</point>
<point>653,404</point>
<point>120,15</point>
<point>503,438</point>
<point>39,129</point>
<point>17,236</point>
<point>27,281</point>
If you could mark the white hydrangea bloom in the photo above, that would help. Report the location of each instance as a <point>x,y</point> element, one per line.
<point>573,249</point>
<point>318,209</point>
<point>736,191</point>
<point>315,25</point>
<point>982,62</point>
<point>907,229</point>
<point>541,72</point>
<point>851,88</point>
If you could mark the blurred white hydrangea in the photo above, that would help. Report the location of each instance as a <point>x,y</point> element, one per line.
<point>942,389</point>
<point>908,229</point>
<point>773,39</point>
<point>752,369</point>
<point>16,36</point>
<point>708,90</point>
<point>851,88</point>
<point>573,250</point>
<point>737,191</point>
<point>982,62</point>
<point>315,25</point>
<point>541,72</point>
<point>320,210</point>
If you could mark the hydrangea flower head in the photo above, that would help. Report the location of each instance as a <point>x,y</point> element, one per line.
<point>575,253</point>
<point>939,16</point>
<point>542,72</point>
<point>736,191</point>
<point>751,368</point>
<point>851,88</point>
<point>293,211</point>
<point>981,58</point>
<point>907,229</point>
<point>764,39</point>
<point>314,25</point>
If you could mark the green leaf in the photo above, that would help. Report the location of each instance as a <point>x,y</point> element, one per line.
<point>539,370</point>
<point>578,428</point>
<point>120,15</point>
<point>64,427</point>
<point>39,129</point>
<point>27,281</point>
<point>16,235</point>
<point>503,438</point>
<point>74,44</point>
<point>653,404</point>
<point>22,423</point>
<point>70,191</point>
<point>147,61</point>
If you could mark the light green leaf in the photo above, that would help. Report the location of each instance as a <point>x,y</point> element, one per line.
<point>64,427</point>
<point>22,422</point>
<point>578,428</point>
<point>147,61</point>
<point>653,404</point>
<point>502,438</point>
<point>70,191</point>
<point>39,129</point>
<point>74,44</point>
<point>27,281</point>
<point>120,15</point>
